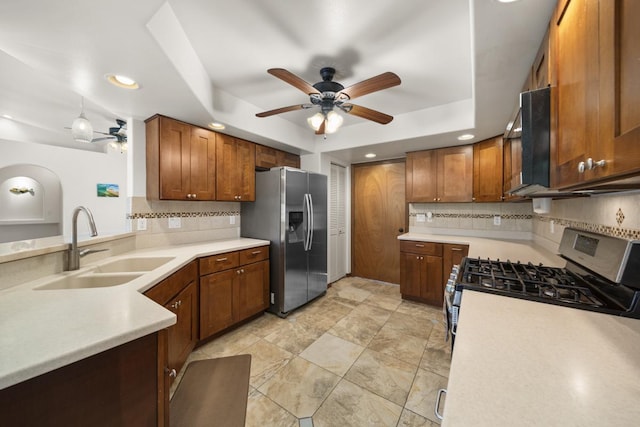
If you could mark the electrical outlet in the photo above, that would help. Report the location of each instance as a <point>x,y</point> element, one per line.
<point>175,222</point>
<point>497,220</point>
<point>552,226</point>
<point>142,224</point>
<point>429,216</point>
<point>232,220</point>
<point>421,217</point>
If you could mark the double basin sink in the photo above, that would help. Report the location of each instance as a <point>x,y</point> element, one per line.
<point>113,273</point>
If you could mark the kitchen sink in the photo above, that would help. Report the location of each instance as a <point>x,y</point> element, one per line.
<point>85,281</point>
<point>126,265</point>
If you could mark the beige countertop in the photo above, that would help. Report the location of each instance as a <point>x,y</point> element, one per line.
<point>499,248</point>
<point>42,330</point>
<point>525,363</point>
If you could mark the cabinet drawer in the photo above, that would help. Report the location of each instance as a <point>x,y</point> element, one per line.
<point>424,248</point>
<point>249,256</point>
<point>172,285</point>
<point>214,263</point>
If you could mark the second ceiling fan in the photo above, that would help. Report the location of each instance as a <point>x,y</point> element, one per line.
<point>328,94</point>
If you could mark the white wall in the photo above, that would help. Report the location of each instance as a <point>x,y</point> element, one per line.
<point>79,172</point>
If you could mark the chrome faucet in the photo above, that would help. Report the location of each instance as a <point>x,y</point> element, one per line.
<point>74,253</point>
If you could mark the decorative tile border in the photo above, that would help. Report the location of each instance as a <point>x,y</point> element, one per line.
<point>475,215</point>
<point>627,233</point>
<point>156,215</point>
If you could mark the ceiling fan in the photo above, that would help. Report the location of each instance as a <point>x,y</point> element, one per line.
<point>328,94</point>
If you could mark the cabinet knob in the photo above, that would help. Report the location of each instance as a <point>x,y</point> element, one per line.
<point>473,199</point>
<point>591,164</point>
<point>176,304</point>
<point>188,196</point>
<point>194,196</point>
<point>172,372</point>
<point>581,167</point>
<point>435,200</point>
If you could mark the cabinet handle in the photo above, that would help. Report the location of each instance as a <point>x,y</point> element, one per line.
<point>221,259</point>
<point>172,372</point>
<point>256,252</point>
<point>419,245</point>
<point>437,408</point>
<point>176,304</point>
<point>456,249</point>
<point>581,167</point>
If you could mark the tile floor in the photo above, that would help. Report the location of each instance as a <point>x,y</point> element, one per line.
<point>359,356</point>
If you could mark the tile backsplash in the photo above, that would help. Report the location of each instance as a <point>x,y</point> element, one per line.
<point>199,221</point>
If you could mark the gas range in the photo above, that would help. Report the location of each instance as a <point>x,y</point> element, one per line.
<point>602,274</point>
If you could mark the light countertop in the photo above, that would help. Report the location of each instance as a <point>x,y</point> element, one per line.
<point>42,330</point>
<point>499,248</point>
<point>524,363</point>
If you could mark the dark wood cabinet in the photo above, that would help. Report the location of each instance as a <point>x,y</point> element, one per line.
<point>179,294</point>
<point>512,167</point>
<point>233,287</point>
<point>421,272</point>
<point>267,158</point>
<point>488,170</point>
<point>452,254</point>
<point>441,175</point>
<point>235,169</point>
<point>180,160</point>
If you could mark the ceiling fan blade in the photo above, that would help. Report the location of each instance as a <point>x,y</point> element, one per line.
<point>293,80</point>
<point>320,130</point>
<point>284,110</point>
<point>374,84</point>
<point>367,113</point>
<point>106,138</point>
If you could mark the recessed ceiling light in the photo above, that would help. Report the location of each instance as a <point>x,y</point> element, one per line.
<point>122,81</point>
<point>6,116</point>
<point>507,1</point>
<point>216,126</point>
<point>370,155</point>
<point>465,137</point>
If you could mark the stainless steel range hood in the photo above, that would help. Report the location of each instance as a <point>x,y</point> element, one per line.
<point>535,116</point>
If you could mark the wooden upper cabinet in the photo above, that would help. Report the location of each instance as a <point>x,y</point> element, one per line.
<point>268,157</point>
<point>235,169</point>
<point>488,170</point>
<point>180,160</point>
<point>442,175</point>
<point>512,167</point>
<point>421,176</point>
<point>575,106</point>
<point>619,87</point>
<point>455,174</point>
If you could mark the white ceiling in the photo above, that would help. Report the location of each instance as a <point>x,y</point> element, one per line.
<point>461,62</point>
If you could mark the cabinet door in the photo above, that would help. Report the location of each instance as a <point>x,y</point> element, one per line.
<point>421,176</point>
<point>410,274</point>
<point>487,170</point>
<point>253,292</point>
<point>574,37</point>
<point>455,174</point>
<point>203,164</point>
<point>452,255</point>
<point>246,166</point>
<point>175,163</point>
<point>227,174</point>
<point>432,286</point>
<point>620,91</point>
<point>288,159</point>
<point>217,302</point>
<point>184,334</point>
<point>266,157</point>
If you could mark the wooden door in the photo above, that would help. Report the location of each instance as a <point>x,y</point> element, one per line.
<point>253,289</point>
<point>574,36</point>
<point>203,164</point>
<point>620,85</point>
<point>175,159</point>
<point>487,170</point>
<point>455,174</point>
<point>183,335</point>
<point>421,176</point>
<point>217,302</point>
<point>379,216</point>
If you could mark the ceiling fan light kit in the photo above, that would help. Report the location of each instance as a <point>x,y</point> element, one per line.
<point>328,94</point>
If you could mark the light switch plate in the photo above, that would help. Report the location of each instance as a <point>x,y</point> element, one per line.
<point>497,219</point>
<point>175,222</point>
<point>142,224</point>
<point>232,220</point>
<point>421,217</point>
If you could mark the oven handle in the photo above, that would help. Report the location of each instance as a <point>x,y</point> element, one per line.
<point>437,408</point>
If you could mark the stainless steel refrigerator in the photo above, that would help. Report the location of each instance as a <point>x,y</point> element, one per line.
<point>291,212</point>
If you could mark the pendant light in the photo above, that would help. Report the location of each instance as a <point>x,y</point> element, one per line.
<point>81,129</point>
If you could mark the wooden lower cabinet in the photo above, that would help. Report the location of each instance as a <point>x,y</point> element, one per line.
<point>179,294</point>
<point>421,272</point>
<point>237,292</point>
<point>118,387</point>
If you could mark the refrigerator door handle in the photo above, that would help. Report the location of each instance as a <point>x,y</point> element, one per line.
<point>306,235</point>
<point>311,225</point>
